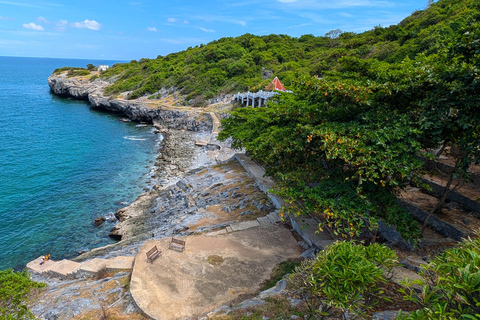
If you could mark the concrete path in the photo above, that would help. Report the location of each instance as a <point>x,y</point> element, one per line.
<point>212,271</point>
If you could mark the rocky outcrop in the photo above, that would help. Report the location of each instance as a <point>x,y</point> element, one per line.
<point>136,110</point>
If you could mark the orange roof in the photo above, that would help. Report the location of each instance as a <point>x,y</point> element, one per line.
<point>275,85</point>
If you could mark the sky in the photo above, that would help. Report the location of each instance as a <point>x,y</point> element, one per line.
<point>135,29</point>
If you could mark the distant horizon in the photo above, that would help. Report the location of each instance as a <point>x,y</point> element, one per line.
<point>132,30</point>
<point>61,58</point>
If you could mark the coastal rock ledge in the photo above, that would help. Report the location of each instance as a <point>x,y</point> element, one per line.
<point>141,109</point>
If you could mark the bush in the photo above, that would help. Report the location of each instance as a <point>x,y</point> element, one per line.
<point>451,289</point>
<point>16,289</point>
<point>344,277</point>
<point>78,72</point>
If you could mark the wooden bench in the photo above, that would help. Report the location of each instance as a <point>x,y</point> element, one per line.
<point>153,253</point>
<point>177,244</point>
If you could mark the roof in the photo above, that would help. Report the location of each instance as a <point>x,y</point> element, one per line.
<point>275,85</point>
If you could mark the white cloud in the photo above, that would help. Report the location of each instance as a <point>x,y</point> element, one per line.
<point>33,26</point>
<point>206,30</point>
<point>186,22</point>
<point>61,25</point>
<point>172,20</point>
<point>6,18</point>
<point>42,19</point>
<point>87,24</point>
<point>153,29</point>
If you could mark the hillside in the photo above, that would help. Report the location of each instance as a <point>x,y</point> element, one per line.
<point>248,62</point>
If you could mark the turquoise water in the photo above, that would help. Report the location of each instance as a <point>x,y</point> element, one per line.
<point>62,164</point>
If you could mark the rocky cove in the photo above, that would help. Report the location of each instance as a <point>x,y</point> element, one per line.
<point>197,189</point>
<point>177,154</point>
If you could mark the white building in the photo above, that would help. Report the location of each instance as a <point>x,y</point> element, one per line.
<point>102,67</point>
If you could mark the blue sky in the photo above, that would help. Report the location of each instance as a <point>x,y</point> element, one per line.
<point>134,29</point>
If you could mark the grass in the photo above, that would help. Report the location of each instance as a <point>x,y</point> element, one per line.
<point>215,260</point>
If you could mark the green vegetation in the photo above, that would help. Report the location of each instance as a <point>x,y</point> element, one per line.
<point>235,64</point>
<point>16,288</point>
<point>342,146</point>
<point>452,286</point>
<point>280,271</point>
<point>73,71</point>
<point>345,277</point>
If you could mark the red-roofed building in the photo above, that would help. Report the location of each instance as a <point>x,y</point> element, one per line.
<point>275,85</point>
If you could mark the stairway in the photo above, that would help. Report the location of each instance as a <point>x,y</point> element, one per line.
<point>71,269</point>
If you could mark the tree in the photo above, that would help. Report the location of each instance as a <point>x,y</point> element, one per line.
<point>333,34</point>
<point>337,150</point>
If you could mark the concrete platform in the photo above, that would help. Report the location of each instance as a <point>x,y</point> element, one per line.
<point>94,265</point>
<point>211,272</point>
<point>120,263</point>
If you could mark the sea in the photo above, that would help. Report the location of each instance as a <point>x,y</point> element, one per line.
<point>62,164</point>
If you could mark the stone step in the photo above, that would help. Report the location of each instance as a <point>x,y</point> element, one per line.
<point>264,221</point>
<point>273,217</point>
<point>217,232</point>
<point>36,267</point>
<point>94,265</point>
<point>120,263</point>
<point>400,274</point>
<point>201,143</point>
<point>244,225</point>
<point>64,268</point>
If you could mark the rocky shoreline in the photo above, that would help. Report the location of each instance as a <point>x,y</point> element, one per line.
<point>177,157</point>
<point>141,110</point>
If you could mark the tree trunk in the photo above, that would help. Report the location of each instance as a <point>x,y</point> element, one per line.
<point>440,203</point>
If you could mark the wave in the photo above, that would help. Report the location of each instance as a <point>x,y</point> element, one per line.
<point>133,138</point>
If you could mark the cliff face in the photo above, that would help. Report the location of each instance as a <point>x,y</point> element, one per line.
<point>136,110</point>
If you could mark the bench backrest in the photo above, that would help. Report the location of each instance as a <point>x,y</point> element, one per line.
<point>153,250</point>
<point>178,241</point>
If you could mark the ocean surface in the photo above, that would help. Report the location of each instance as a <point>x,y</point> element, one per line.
<point>62,164</point>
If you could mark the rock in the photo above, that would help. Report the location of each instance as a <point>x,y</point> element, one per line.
<point>385,315</point>
<point>392,236</point>
<point>99,221</point>
<point>309,254</point>
<point>452,206</point>
<point>304,245</point>
<point>278,289</point>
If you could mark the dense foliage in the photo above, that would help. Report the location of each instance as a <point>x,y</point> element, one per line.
<point>345,277</point>
<point>343,145</point>
<point>451,289</point>
<point>15,291</point>
<point>235,64</point>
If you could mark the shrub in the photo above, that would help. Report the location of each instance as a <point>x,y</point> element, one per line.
<point>78,72</point>
<point>16,289</point>
<point>344,277</point>
<point>451,289</point>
